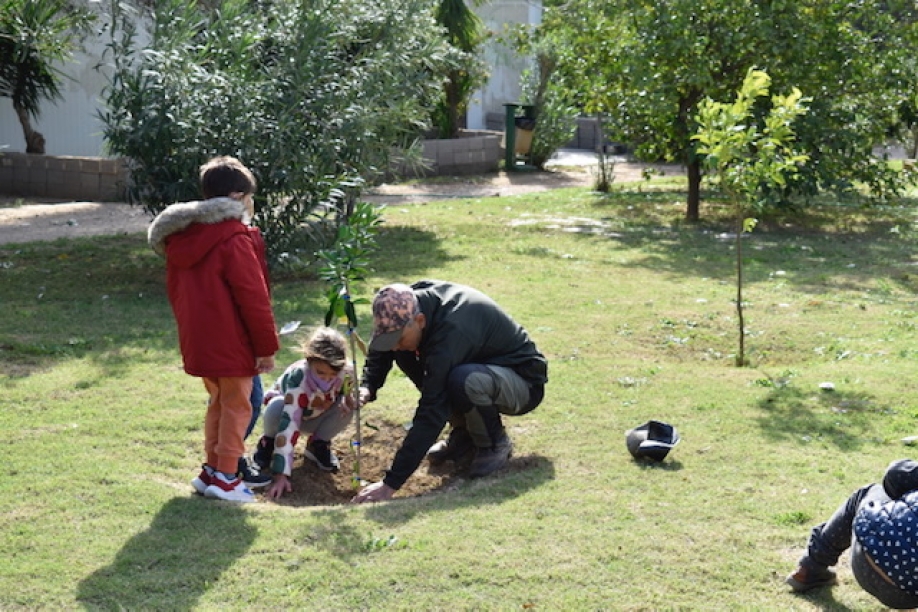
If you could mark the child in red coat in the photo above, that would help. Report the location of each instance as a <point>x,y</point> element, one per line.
<point>217,288</point>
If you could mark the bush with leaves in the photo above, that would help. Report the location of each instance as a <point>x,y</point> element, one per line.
<point>556,118</point>
<point>555,126</point>
<point>313,95</point>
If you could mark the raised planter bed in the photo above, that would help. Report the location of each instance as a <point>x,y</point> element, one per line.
<point>95,179</point>
<point>103,179</point>
<point>474,152</point>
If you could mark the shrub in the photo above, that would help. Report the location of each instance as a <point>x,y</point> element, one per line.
<point>312,95</point>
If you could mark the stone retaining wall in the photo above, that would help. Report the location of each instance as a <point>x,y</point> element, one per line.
<point>93,179</point>
<point>97,179</point>
<point>474,152</point>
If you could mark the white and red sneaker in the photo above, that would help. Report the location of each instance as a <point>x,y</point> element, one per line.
<point>203,480</point>
<point>229,489</point>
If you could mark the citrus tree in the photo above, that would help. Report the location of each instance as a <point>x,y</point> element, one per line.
<point>749,152</point>
<point>647,65</point>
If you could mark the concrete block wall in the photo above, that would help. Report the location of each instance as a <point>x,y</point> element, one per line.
<point>99,179</point>
<point>496,121</point>
<point>94,179</point>
<point>586,135</point>
<point>476,152</point>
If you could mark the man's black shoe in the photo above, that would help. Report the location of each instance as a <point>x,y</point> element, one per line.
<point>456,446</point>
<point>489,460</point>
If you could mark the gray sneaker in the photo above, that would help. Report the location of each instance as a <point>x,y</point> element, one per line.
<point>489,460</point>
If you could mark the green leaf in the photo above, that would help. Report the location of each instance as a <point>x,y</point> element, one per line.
<point>351,314</point>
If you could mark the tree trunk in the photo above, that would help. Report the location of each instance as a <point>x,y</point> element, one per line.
<point>453,90</point>
<point>693,203</point>
<point>35,142</point>
<point>605,174</point>
<point>741,353</point>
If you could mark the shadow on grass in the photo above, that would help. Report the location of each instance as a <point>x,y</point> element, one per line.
<point>73,299</point>
<point>523,474</point>
<point>98,298</point>
<point>844,420</point>
<point>202,541</point>
<point>409,252</point>
<point>343,538</point>
<point>110,357</point>
<point>828,247</point>
<point>671,465</point>
<point>823,599</point>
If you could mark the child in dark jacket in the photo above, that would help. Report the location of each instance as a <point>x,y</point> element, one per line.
<point>216,285</point>
<point>879,523</point>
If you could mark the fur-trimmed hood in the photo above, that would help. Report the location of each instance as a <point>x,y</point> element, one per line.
<point>178,217</point>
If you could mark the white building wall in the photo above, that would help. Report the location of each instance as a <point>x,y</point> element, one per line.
<point>70,127</point>
<point>505,65</point>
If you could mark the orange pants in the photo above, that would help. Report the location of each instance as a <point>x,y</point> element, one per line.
<point>228,415</point>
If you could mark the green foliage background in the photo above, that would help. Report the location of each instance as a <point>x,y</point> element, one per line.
<point>315,96</point>
<point>647,66</point>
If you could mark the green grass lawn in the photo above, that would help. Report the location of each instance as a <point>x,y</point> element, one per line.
<point>101,430</point>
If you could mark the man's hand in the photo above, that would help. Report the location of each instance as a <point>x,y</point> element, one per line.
<point>365,396</point>
<point>280,486</point>
<point>378,491</point>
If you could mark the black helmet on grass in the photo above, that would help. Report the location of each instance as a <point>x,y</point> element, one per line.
<point>653,440</point>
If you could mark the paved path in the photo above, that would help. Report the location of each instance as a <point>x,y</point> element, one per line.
<point>51,220</point>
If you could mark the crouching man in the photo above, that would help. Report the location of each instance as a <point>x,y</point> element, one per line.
<point>472,364</point>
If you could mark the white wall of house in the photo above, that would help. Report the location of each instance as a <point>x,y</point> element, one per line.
<point>505,65</point>
<point>71,126</point>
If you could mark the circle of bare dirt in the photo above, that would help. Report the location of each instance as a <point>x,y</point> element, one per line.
<point>314,487</point>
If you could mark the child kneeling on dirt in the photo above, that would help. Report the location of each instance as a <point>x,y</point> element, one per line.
<point>313,395</point>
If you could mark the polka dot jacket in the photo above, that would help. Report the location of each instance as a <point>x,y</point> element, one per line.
<point>889,533</point>
<point>303,400</point>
